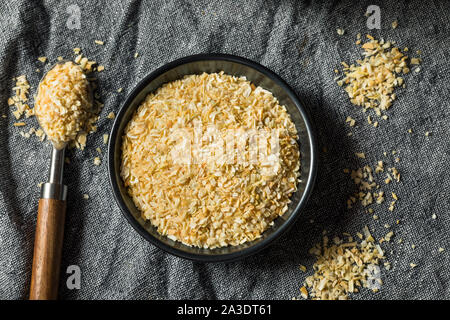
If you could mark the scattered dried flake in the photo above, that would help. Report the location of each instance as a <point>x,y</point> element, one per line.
<point>434,216</point>
<point>119,90</point>
<point>42,59</point>
<point>369,191</point>
<point>111,115</point>
<point>365,180</point>
<point>76,51</point>
<point>19,124</point>
<point>99,42</point>
<point>100,68</point>
<point>380,167</point>
<point>370,83</point>
<point>210,205</point>
<point>441,249</point>
<point>83,62</point>
<point>78,58</point>
<point>105,138</point>
<point>39,132</point>
<point>97,161</point>
<point>86,196</point>
<point>395,173</point>
<point>304,292</point>
<point>89,67</point>
<point>412,265</point>
<point>340,31</point>
<point>40,184</point>
<point>59,58</point>
<point>389,236</point>
<point>380,197</point>
<point>394,24</point>
<point>136,55</point>
<point>415,61</point>
<point>24,134</point>
<point>388,179</point>
<point>351,121</point>
<point>360,155</point>
<point>427,134</point>
<point>392,206</point>
<point>302,267</point>
<point>81,139</point>
<point>20,98</point>
<point>342,268</point>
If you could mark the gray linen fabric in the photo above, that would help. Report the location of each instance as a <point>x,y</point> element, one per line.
<point>297,40</point>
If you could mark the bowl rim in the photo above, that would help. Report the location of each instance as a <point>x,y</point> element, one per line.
<point>227,257</point>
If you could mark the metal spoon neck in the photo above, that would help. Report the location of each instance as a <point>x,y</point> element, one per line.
<point>54,188</point>
<point>57,165</point>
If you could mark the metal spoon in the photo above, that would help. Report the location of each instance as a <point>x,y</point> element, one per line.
<point>50,227</point>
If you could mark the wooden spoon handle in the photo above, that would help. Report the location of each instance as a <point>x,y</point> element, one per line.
<point>47,249</point>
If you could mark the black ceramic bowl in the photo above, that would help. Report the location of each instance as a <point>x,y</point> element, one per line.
<point>231,65</point>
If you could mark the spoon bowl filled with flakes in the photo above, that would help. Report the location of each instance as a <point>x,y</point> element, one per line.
<point>212,157</point>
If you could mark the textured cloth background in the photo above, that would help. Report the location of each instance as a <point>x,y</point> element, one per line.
<point>297,40</point>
